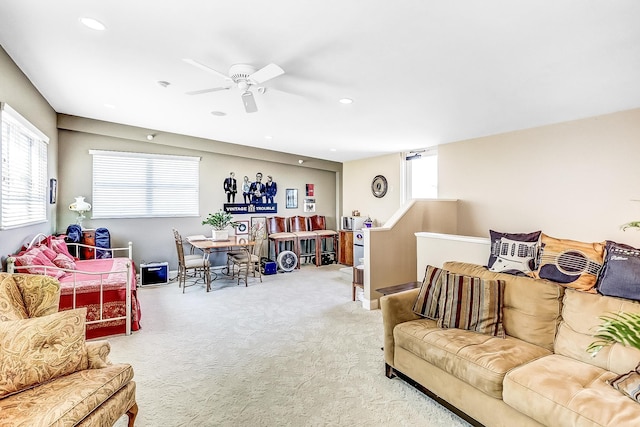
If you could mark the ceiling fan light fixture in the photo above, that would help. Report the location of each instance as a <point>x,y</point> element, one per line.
<point>92,23</point>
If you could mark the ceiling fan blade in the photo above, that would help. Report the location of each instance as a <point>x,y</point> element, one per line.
<point>201,91</point>
<point>205,68</point>
<point>266,73</point>
<point>249,102</point>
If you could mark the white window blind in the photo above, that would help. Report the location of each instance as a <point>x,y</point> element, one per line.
<point>24,171</point>
<point>136,185</point>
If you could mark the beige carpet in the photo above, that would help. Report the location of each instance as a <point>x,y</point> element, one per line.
<point>291,351</point>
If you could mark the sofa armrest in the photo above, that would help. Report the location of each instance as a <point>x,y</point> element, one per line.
<point>396,308</point>
<point>98,353</point>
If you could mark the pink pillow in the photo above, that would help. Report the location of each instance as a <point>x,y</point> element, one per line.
<point>48,252</point>
<point>34,257</point>
<point>60,246</point>
<point>63,261</point>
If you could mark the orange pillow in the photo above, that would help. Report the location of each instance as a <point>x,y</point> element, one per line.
<point>575,264</point>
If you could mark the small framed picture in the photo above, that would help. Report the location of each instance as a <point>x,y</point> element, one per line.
<point>53,190</point>
<point>291,198</point>
<point>259,225</point>
<point>310,205</point>
<point>242,228</point>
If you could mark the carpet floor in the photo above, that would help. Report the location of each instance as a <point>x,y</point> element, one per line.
<point>291,351</point>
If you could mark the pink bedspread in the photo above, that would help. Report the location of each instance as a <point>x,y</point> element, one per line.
<point>87,290</point>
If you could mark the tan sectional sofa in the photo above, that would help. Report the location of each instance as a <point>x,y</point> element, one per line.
<point>50,376</point>
<point>539,374</point>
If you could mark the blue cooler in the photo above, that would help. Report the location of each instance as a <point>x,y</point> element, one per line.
<point>267,266</point>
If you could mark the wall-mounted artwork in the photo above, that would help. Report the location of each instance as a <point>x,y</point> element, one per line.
<point>242,228</point>
<point>309,205</point>
<point>292,198</point>
<point>53,190</point>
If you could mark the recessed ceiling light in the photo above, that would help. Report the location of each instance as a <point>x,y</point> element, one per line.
<point>268,137</point>
<point>150,137</point>
<point>332,149</point>
<point>346,101</point>
<point>219,113</point>
<point>94,24</point>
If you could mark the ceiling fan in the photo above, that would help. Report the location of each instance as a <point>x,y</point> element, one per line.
<point>242,76</point>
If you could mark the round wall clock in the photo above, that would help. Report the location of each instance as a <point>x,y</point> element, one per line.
<point>379,186</point>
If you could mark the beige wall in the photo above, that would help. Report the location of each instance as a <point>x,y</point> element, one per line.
<point>358,175</point>
<point>152,238</point>
<point>17,91</point>
<point>572,180</point>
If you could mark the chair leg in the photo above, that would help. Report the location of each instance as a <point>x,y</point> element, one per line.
<point>132,413</point>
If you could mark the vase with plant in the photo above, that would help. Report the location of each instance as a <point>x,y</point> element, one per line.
<point>623,328</point>
<point>220,222</point>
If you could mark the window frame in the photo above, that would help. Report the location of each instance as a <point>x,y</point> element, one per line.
<point>408,163</point>
<point>164,186</point>
<point>29,148</point>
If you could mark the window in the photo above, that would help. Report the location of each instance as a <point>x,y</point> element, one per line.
<point>137,185</point>
<point>422,174</point>
<point>24,171</point>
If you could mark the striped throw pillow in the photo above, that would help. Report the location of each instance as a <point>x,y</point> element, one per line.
<point>426,304</point>
<point>472,303</point>
<point>628,384</point>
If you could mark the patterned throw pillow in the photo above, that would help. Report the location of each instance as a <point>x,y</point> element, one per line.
<point>39,349</point>
<point>620,275</point>
<point>33,258</point>
<point>60,246</point>
<point>628,384</point>
<point>63,261</point>
<point>11,302</point>
<point>426,304</point>
<point>573,263</point>
<point>513,253</point>
<point>472,303</point>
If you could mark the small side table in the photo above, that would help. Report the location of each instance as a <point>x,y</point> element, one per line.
<point>398,288</point>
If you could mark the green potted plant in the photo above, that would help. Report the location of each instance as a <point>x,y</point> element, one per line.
<point>220,222</point>
<point>623,328</point>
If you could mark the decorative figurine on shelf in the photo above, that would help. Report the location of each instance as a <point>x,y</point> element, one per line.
<point>270,189</point>
<point>230,187</point>
<point>257,189</point>
<point>246,190</point>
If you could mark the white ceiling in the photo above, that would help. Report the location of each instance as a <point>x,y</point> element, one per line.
<point>420,72</point>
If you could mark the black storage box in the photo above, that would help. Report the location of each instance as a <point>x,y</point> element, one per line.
<point>154,273</point>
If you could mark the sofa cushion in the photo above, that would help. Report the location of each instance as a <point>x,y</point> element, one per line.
<point>477,359</point>
<point>39,349</point>
<point>40,294</point>
<point>11,303</point>
<point>580,320</point>
<point>63,261</point>
<point>620,275</point>
<point>426,304</point>
<point>67,400</point>
<point>628,383</point>
<point>471,303</point>
<point>513,253</point>
<point>560,391</point>
<point>575,264</point>
<point>531,310</point>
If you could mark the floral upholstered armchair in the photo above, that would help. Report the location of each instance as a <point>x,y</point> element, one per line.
<point>49,374</point>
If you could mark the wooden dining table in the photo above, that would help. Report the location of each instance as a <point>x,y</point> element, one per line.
<point>209,245</point>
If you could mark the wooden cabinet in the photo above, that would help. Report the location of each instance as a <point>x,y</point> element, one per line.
<point>345,254</point>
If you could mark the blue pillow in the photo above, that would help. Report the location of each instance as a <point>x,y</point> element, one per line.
<point>620,275</point>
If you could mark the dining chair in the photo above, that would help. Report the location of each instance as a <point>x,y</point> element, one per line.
<point>278,235</point>
<point>305,248</point>
<point>318,224</point>
<point>199,264</point>
<point>248,260</point>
